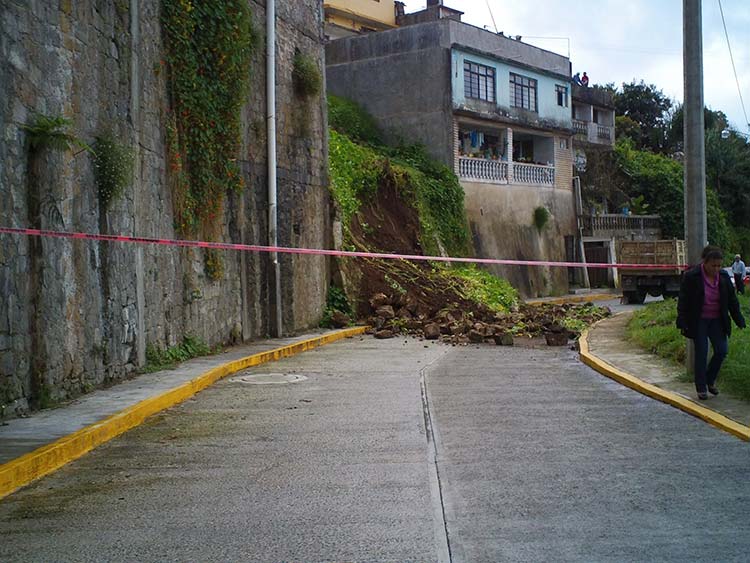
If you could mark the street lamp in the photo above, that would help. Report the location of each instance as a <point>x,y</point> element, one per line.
<point>726,133</point>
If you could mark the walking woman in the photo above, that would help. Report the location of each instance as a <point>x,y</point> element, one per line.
<point>706,301</point>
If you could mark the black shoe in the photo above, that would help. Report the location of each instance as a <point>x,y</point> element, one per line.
<point>702,395</point>
<point>713,389</point>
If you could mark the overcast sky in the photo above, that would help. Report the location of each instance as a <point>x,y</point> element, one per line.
<point>619,40</point>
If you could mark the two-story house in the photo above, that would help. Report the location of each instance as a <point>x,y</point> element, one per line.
<point>494,109</point>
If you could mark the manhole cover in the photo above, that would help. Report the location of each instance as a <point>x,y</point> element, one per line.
<point>269,378</point>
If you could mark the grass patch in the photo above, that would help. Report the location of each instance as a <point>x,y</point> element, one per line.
<point>158,359</point>
<point>482,287</point>
<point>355,171</point>
<point>653,329</point>
<point>348,118</point>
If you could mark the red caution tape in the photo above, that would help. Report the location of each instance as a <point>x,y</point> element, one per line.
<point>322,252</point>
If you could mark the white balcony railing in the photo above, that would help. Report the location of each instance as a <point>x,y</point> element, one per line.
<point>636,227</point>
<point>580,127</point>
<point>496,172</point>
<point>603,132</point>
<point>533,174</point>
<point>493,171</point>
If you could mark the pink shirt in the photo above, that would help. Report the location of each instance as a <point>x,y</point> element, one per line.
<point>711,297</point>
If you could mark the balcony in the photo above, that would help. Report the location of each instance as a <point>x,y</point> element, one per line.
<point>483,170</point>
<point>501,172</point>
<point>591,132</point>
<point>580,127</point>
<point>533,174</point>
<point>631,227</point>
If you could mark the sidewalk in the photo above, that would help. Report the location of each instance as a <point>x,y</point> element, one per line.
<point>580,296</point>
<point>605,348</point>
<point>35,446</point>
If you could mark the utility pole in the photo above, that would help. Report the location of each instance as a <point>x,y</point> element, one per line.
<point>695,151</point>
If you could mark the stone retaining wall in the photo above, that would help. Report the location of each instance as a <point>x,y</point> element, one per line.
<point>75,315</point>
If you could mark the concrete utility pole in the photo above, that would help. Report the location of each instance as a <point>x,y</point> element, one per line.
<point>696,231</point>
<point>695,152</point>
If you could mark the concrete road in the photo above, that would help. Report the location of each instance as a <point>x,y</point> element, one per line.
<point>532,457</point>
<point>542,459</point>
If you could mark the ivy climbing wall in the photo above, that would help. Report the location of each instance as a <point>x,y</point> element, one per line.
<point>78,315</point>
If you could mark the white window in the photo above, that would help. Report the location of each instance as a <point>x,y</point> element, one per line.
<point>562,95</point>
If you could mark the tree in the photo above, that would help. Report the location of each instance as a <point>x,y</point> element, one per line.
<point>625,127</point>
<point>647,106</point>
<point>713,120</point>
<point>728,173</point>
<point>657,180</point>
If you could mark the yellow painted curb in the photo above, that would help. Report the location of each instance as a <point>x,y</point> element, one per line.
<point>29,467</point>
<point>712,417</point>
<point>574,299</point>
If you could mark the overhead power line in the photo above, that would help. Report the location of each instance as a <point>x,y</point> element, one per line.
<point>734,68</point>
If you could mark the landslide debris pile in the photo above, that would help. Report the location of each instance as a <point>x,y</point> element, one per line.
<point>398,200</point>
<point>456,324</point>
<point>458,306</point>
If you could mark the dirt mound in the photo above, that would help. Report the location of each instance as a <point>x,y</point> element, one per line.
<point>387,223</point>
<point>465,322</point>
<point>402,297</point>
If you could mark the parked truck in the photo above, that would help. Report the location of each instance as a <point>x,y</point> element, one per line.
<point>637,283</point>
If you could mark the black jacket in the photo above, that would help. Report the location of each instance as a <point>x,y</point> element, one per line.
<point>690,303</point>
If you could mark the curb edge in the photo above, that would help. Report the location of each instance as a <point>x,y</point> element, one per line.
<point>673,399</point>
<point>47,459</point>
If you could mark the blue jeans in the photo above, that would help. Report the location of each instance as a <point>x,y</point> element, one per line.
<point>709,329</point>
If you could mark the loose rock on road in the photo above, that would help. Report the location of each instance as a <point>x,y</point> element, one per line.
<point>538,458</point>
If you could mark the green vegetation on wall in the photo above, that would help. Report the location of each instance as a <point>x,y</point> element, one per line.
<point>51,131</point>
<point>541,217</point>
<point>306,75</point>
<point>113,168</point>
<point>208,54</point>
